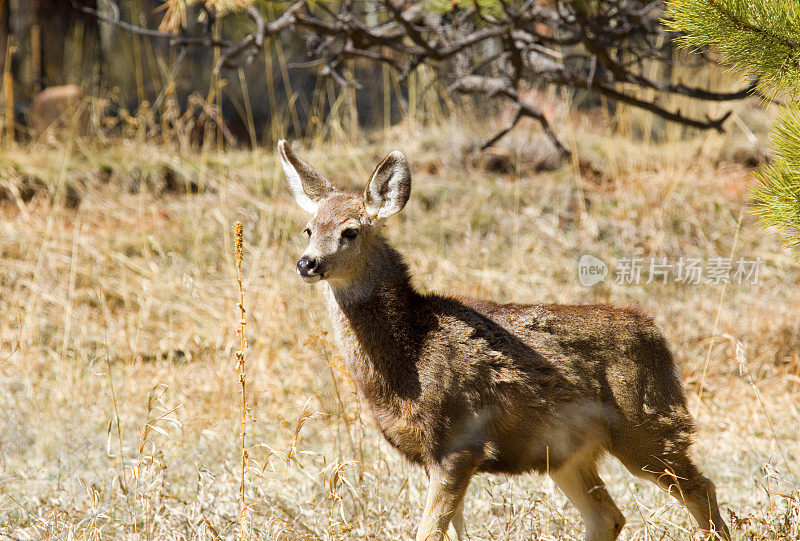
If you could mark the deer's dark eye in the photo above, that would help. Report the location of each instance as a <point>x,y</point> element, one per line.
<point>307,231</point>
<point>350,233</point>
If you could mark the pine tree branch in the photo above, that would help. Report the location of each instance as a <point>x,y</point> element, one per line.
<point>747,27</point>
<point>775,58</point>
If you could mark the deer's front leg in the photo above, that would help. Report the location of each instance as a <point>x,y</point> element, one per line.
<point>448,483</point>
<point>458,522</point>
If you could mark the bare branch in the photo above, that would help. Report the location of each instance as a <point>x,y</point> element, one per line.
<point>502,133</point>
<point>173,39</point>
<point>256,39</point>
<point>653,107</point>
<point>492,87</point>
<point>581,45</point>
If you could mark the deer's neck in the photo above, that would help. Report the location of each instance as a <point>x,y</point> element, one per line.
<point>375,323</point>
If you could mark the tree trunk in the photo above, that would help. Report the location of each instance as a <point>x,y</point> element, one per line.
<point>5,27</point>
<point>68,44</point>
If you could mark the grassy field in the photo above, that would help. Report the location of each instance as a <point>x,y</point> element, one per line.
<point>118,388</point>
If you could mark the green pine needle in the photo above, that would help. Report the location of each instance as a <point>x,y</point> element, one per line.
<point>760,38</point>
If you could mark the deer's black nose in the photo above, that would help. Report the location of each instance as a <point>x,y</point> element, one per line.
<point>306,266</point>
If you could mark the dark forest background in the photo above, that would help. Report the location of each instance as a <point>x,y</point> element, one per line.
<point>51,43</point>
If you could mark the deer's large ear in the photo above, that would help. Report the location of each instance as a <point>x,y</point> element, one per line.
<point>389,186</point>
<point>308,186</point>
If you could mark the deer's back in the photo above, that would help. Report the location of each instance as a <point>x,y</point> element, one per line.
<point>563,377</point>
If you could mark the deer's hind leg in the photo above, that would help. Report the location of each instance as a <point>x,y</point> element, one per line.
<point>663,458</point>
<point>579,480</point>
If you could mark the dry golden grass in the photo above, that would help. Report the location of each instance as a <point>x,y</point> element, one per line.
<point>121,409</point>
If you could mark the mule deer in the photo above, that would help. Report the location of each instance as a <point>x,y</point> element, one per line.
<point>462,386</point>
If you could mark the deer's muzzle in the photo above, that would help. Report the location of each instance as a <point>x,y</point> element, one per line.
<point>308,269</point>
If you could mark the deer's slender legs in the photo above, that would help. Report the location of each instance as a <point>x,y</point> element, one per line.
<point>458,522</point>
<point>448,483</point>
<point>683,480</point>
<point>701,501</point>
<point>662,456</point>
<point>587,492</point>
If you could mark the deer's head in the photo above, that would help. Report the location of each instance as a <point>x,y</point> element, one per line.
<point>344,226</point>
